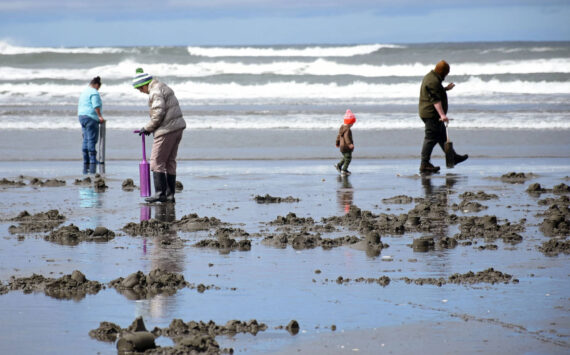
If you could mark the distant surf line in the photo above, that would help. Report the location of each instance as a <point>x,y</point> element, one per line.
<point>309,51</point>
<point>195,90</point>
<point>9,49</point>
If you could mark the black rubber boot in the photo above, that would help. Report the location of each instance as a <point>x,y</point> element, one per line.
<point>428,168</point>
<point>160,187</point>
<point>460,158</point>
<point>171,181</point>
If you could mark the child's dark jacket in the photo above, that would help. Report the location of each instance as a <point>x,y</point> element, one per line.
<point>344,139</point>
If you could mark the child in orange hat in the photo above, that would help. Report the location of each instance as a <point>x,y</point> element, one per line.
<point>345,143</point>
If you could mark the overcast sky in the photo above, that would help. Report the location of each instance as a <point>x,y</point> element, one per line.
<point>238,22</point>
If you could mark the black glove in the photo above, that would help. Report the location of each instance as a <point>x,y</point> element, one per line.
<point>143,131</point>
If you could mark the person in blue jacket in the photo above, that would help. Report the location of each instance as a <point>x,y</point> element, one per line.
<point>90,112</point>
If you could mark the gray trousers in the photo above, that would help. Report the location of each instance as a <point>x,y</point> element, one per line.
<point>164,151</point>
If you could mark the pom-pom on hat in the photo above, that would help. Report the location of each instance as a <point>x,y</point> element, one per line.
<point>349,117</point>
<point>141,78</point>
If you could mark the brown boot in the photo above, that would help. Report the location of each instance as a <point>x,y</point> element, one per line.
<point>428,168</point>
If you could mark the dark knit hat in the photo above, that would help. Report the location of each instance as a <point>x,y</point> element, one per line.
<point>141,78</point>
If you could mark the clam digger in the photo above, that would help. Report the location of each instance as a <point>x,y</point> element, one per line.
<point>166,124</point>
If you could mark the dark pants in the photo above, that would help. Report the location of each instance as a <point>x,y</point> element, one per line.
<point>90,131</point>
<point>434,134</point>
<point>345,161</point>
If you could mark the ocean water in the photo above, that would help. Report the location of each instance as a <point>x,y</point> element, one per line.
<point>509,85</point>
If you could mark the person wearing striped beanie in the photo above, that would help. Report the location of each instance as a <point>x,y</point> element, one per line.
<point>166,124</point>
<point>345,143</point>
<point>141,79</point>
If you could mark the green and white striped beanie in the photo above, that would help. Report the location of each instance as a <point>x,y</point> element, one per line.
<point>141,78</point>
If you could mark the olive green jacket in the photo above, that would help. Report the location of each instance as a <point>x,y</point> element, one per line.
<point>432,91</point>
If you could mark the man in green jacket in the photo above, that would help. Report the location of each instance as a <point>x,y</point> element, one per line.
<point>433,111</point>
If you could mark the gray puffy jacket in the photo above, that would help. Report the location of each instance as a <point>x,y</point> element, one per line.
<point>165,112</point>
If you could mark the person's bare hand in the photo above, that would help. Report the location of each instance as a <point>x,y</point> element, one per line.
<point>101,119</point>
<point>449,86</point>
<point>444,119</point>
<point>351,146</point>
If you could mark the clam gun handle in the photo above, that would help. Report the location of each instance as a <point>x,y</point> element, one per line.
<point>143,148</point>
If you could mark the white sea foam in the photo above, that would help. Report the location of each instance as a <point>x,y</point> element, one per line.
<point>319,67</point>
<point>8,49</point>
<point>522,49</point>
<point>290,92</point>
<point>122,70</point>
<point>318,51</point>
<point>365,121</point>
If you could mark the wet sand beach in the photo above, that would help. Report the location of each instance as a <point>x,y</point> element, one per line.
<point>286,144</point>
<point>382,261</point>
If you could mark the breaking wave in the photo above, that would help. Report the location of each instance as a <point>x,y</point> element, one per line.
<point>318,67</point>
<point>318,51</point>
<point>194,92</point>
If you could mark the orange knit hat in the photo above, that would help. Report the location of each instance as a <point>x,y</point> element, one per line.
<point>349,117</point>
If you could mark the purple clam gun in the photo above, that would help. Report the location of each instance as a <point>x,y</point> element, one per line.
<point>144,171</point>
